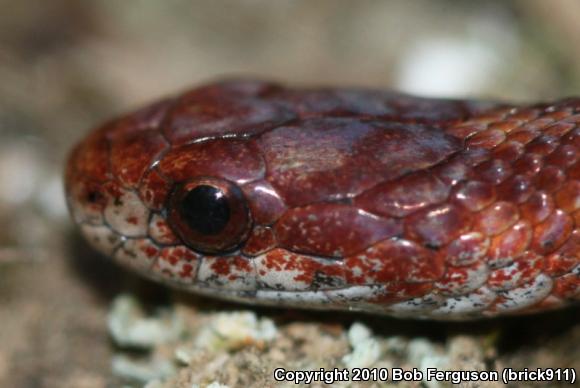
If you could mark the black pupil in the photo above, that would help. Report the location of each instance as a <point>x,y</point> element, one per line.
<point>206,209</point>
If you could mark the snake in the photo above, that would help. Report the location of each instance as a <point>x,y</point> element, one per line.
<point>327,198</point>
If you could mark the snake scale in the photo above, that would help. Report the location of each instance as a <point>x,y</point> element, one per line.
<point>344,199</point>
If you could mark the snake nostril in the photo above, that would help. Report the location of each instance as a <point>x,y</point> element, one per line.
<point>93,196</point>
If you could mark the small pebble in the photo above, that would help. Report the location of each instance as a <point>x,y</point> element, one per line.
<point>235,330</point>
<point>129,327</point>
<point>365,349</point>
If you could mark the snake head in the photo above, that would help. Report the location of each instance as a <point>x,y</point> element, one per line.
<point>342,199</point>
<point>174,193</point>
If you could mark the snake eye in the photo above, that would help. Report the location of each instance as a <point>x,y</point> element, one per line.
<point>209,214</point>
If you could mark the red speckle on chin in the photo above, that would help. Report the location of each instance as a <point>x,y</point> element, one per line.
<point>457,279</point>
<point>308,268</point>
<point>523,270</point>
<point>227,265</point>
<point>151,251</point>
<point>186,271</point>
<point>176,254</point>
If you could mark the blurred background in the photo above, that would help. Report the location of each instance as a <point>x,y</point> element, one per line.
<point>66,65</point>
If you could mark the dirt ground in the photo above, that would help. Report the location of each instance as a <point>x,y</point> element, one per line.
<point>71,318</point>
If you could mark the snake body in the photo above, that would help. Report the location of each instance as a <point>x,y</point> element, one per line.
<point>347,199</point>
